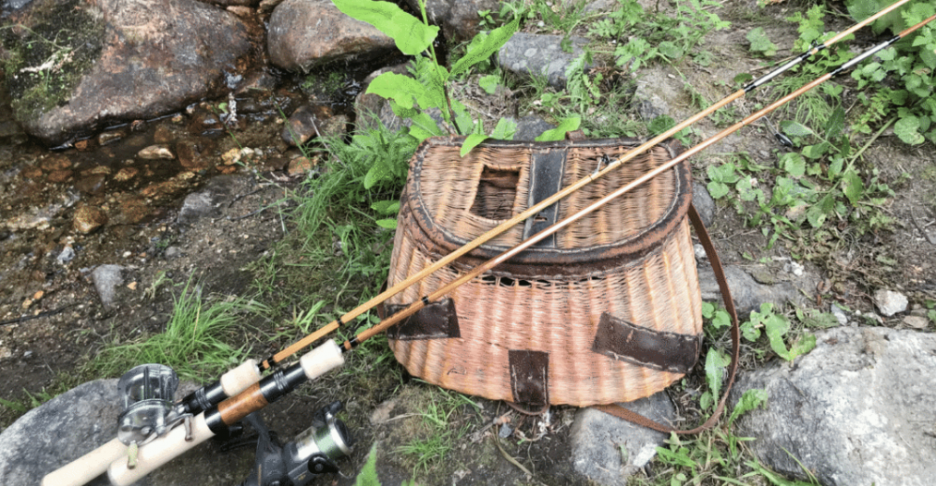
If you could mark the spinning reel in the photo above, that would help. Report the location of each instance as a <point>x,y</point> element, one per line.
<point>149,412</point>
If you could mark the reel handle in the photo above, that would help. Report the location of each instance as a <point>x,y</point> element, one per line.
<point>88,466</point>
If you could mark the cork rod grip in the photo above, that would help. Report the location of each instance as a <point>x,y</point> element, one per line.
<point>240,378</point>
<point>88,466</point>
<point>159,452</point>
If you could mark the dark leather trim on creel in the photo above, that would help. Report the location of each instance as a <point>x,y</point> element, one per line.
<point>546,171</point>
<point>529,375</point>
<point>665,351</point>
<point>438,320</point>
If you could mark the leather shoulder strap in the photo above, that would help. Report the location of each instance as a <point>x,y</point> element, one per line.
<point>706,241</point>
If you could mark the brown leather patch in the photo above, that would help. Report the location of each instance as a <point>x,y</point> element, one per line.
<point>437,320</point>
<point>529,372</point>
<point>666,351</point>
<point>546,172</point>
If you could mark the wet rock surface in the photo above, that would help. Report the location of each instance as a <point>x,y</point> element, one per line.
<point>855,410</point>
<point>304,34</point>
<point>155,57</point>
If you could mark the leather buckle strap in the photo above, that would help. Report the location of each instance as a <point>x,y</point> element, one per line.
<point>715,262</point>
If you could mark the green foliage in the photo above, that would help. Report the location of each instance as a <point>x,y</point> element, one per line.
<point>760,43</point>
<point>776,327</point>
<point>193,343</point>
<point>648,36</point>
<point>558,133</point>
<point>750,400</point>
<point>368,474</point>
<point>415,97</point>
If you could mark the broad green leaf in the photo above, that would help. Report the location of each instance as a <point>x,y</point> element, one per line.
<point>816,151</point>
<point>835,168</point>
<point>817,213</point>
<point>463,122</point>
<point>489,83</point>
<point>776,328</point>
<point>389,223</point>
<point>722,319</point>
<point>670,50</point>
<point>760,42</point>
<point>723,173</point>
<point>795,129</point>
<point>852,186</point>
<point>836,123</point>
<point>504,130</point>
<point>410,35</point>
<point>558,133</point>
<point>386,207</point>
<point>406,91</point>
<point>368,474</point>
<point>750,400</point>
<point>717,189</point>
<point>715,364</point>
<point>908,130</point>
<point>708,310</point>
<point>424,127</point>
<point>794,164</point>
<point>706,401</point>
<point>471,142</point>
<point>484,45</point>
<point>805,344</point>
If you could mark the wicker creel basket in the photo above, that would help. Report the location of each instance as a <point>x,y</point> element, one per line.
<point>606,310</point>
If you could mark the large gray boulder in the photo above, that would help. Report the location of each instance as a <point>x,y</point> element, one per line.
<point>747,293</point>
<point>540,55</point>
<point>857,410</point>
<point>459,18</point>
<point>137,60</point>
<point>304,34</point>
<point>58,432</point>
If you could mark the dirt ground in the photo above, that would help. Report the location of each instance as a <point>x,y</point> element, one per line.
<point>52,319</point>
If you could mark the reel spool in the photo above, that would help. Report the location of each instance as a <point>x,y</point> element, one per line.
<point>147,391</point>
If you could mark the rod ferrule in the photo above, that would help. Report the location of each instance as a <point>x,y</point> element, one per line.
<point>864,55</point>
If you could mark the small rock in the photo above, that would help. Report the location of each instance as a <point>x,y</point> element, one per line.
<point>172,252</point>
<point>97,170</point>
<point>597,438</point>
<point>132,285</point>
<point>110,137</point>
<point>126,173</point>
<point>154,152</point>
<point>196,205</point>
<point>890,302</point>
<point>311,121</point>
<point>106,279</point>
<point>301,165</point>
<point>916,322</point>
<point>231,157</point>
<point>190,156</point>
<point>747,293</point>
<point>88,219</point>
<point>699,252</point>
<point>55,163</point>
<point>67,254</point>
<point>795,268</point>
<point>31,173</point>
<point>530,127</point>
<point>704,204</point>
<point>90,185</point>
<point>839,314</point>
<point>60,175</point>
<point>505,431</point>
<point>27,303</point>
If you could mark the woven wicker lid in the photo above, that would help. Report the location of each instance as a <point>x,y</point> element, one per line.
<point>453,199</point>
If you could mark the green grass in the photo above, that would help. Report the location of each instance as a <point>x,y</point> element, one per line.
<point>194,343</point>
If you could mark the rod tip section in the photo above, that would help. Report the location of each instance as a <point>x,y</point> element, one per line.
<point>322,359</point>
<point>240,378</point>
